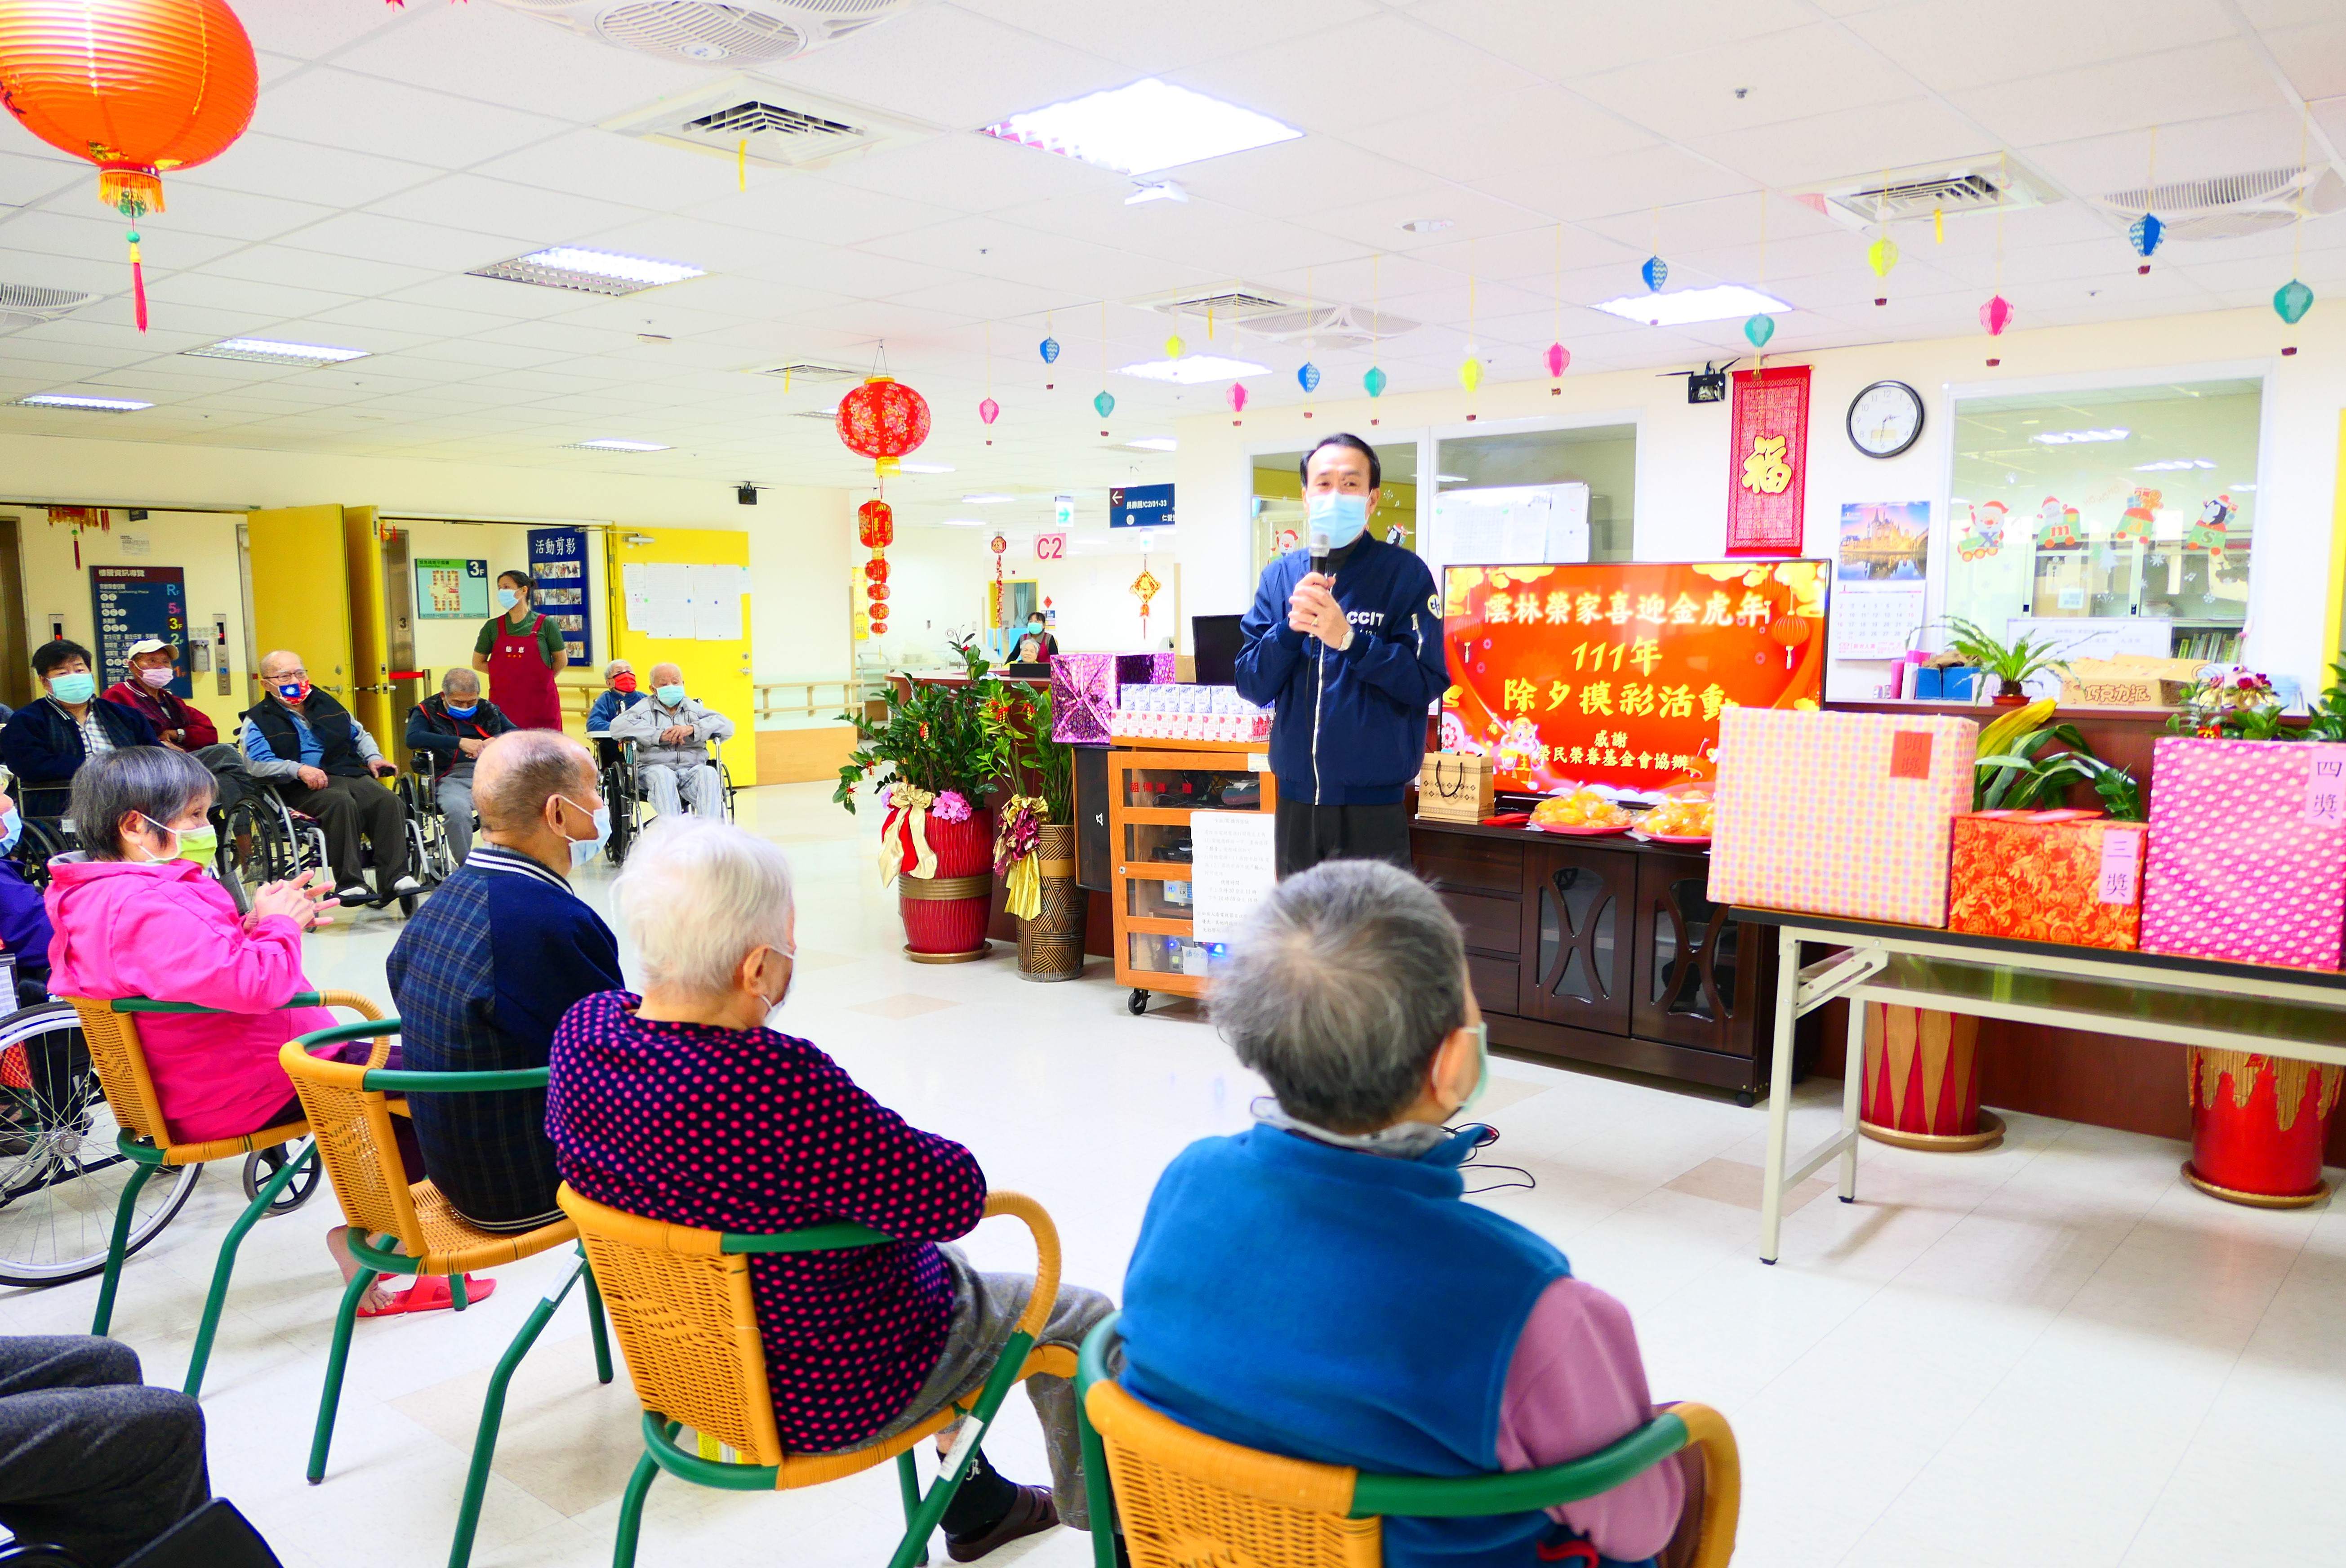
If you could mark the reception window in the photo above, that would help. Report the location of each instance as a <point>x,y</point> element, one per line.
<point>1278,517</point>
<point>1599,462</point>
<point>2127,509</point>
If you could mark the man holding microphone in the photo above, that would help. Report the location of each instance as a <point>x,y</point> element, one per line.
<point>1345,639</point>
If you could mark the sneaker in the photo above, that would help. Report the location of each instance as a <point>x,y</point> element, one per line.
<point>405,886</point>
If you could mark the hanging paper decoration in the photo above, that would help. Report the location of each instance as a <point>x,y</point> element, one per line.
<point>883,419</point>
<point>875,530</point>
<point>1881,256</point>
<point>1238,397</point>
<point>1470,372</point>
<point>1374,382</point>
<point>136,87</point>
<point>1760,328</point>
<point>1106,403</point>
<point>2291,300</point>
<point>1656,273</point>
<point>1559,359</point>
<point>2145,234</point>
<point>1049,350</point>
<point>1307,376</point>
<point>1938,225</point>
<point>988,411</point>
<point>1175,348</point>
<point>1144,588</point>
<point>1995,315</point>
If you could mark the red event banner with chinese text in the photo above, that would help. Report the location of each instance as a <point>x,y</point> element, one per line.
<point>1768,463</point>
<point>1616,674</point>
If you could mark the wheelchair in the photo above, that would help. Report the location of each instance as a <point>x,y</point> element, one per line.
<point>265,840</point>
<point>622,786</point>
<point>47,831</point>
<point>428,849</point>
<point>615,782</point>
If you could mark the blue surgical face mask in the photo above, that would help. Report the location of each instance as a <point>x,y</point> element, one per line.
<point>508,599</point>
<point>669,696</point>
<point>74,688</point>
<point>466,711</point>
<point>584,850</point>
<point>1344,518</point>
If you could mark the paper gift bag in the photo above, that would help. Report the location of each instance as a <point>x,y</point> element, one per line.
<point>1839,813</point>
<point>1084,688</point>
<point>1454,787</point>
<point>2071,877</point>
<point>2247,852</point>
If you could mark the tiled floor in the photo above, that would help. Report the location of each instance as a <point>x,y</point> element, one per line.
<point>2050,1353</point>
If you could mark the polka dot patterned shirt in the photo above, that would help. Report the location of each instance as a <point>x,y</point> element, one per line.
<point>750,1130</point>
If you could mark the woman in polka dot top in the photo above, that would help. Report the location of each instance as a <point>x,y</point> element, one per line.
<point>680,1105</point>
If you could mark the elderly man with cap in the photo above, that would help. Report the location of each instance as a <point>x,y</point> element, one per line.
<point>451,729</point>
<point>149,666</point>
<point>486,969</point>
<point>671,732</point>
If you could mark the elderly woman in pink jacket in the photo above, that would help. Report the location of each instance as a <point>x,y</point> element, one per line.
<point>135,915</point>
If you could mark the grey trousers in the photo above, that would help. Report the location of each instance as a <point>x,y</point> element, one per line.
<point>455,794</point>
<point>702,786</point>
<point>91,1459</point>
<point>986,1309</point>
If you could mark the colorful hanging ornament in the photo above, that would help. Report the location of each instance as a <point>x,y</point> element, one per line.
<point>136,87</point>
<point>1656,273</point>
<point>1144,588</point>
<point>1105,403</point>
<point>1938,225</point>
<point>875,527</point>
<point>1049,350</point>
<point>1307,376</point>
<point>1238,397</point>
<point>1175,348</point>
<point>883,419</point>
<point>1759,329</point>
<point>987,412</point>
<point>1995,315</point>
<point>1470,372</point>
<point>1881,256</point>
<point>1559,360</point>
<point>2291,300</point>
<point>1374,382</point>
<point>2144,234</point>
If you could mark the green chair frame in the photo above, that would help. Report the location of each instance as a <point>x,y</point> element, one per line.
<point>923,1513</point>
<point>1376,1496</point>
<point>149,1159</point>
<point>381,1255</point>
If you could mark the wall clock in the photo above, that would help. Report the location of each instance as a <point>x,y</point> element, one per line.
<point>1885,419</point>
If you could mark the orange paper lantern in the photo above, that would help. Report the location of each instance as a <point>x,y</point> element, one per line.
<point>137,87</point>
<point>883,419</point>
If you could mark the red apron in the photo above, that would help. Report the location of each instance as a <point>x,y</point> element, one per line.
<point>520,682</point>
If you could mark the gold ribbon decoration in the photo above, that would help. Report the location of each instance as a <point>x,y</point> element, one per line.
<point>904,834</point>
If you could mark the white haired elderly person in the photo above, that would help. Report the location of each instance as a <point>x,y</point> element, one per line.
<point>682,1106</point>
<point>672,732</point>
<point>1316,1285</point>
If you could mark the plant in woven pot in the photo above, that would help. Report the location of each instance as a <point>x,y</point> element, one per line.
<point>1035,853</point>
<point>934,755</point>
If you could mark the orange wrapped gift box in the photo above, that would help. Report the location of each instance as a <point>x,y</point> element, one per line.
<point>2072,877</point>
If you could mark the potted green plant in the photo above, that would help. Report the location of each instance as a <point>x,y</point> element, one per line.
<point>1035,851</point>
<point>2009,664</point>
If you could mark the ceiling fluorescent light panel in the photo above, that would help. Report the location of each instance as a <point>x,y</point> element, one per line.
<point>1686,307</point>
<point>1191,369</point>
<point>1141,129</point>
<point>588,272</point>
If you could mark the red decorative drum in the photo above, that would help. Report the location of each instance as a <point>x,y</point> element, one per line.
<point>946,914</point>
<point>2258,1126</point>
<point>1922,1081</point>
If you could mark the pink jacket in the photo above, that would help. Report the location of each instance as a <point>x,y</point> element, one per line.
<point>171,933</point>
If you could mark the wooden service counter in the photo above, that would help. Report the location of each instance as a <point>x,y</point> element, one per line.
<point>1605,950</point>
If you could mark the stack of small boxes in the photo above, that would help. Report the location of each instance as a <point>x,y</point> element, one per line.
<point>1215,713</point>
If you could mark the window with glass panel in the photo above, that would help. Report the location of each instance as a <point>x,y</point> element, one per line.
<point>2126,504</point>
<point>1279,519</point>
<point>1516,463</point>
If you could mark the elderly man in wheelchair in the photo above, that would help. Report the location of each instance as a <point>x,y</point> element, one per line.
<point>671,735</point>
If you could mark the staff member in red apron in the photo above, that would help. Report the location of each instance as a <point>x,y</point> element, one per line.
<point>519,651</point>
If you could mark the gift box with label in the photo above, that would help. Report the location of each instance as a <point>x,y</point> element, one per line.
<point>2071,877</point>
<point>2247,851</point>
<point>1839,813</point>
<point>1084,687</point>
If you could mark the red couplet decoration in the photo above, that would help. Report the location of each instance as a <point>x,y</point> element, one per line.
<point>883,419</point>
<point>875,525</point>
<point>136,87</point>
<point>2258,1125</point>
<point>1768,463</point>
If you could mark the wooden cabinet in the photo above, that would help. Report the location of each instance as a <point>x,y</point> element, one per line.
<point>1605,949</point>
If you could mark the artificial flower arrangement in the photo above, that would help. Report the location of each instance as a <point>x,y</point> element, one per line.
<point>2234,705</point>
<point>1041,774</point>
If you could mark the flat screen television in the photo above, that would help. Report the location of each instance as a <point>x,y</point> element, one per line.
<point>1215,640</point>
<point>1616,674</point>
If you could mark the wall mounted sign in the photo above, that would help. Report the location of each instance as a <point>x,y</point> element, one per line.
<point>452,588</point>
<point>1140,506</point>
<point>557,559</point>
<point>128,603</point>
<point>1050,547</point>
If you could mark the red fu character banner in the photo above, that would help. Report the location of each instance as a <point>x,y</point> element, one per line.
<point>1768,463</point>
<point>1618,674</point>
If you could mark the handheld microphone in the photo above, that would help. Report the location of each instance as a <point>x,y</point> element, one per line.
<point>1320,551</point>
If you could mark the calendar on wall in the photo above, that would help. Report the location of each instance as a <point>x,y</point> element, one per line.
<point>1875,620</point>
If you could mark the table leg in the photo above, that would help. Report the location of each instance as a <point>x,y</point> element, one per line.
<point>1853,1096</point>
<point>1780,1095</point>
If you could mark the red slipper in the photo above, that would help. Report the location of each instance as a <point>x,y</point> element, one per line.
<point>430,1294</point>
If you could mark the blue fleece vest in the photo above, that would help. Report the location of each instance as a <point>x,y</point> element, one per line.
<point>1343,1307</point>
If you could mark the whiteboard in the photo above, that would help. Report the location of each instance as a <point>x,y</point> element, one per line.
<point>1507,525</point>
<point>1235,864</point>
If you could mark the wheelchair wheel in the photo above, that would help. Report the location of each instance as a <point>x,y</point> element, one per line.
<point>61,1176</point>
<point>43,838</point>
<point>263,1163</point>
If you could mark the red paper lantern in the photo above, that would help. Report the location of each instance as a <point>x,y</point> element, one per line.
<point>876,592</point>
<point>876,569</point>
<point>875,525</point>
<point>883,419</point>
<point>879,617</point>
<point>137,87</point>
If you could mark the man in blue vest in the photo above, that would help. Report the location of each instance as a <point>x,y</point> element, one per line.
<point>325,765</point>
<point>1349,651</point>
<point>1316,1285</point>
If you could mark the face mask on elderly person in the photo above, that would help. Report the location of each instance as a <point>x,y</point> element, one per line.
<point>671,694</point>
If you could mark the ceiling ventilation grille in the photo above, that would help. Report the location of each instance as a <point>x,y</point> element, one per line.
<point>2231,206</point>
<point>772,125</point>
<point>1975,185</point>
<point>1332,324</point>
<point>713,32</point>
<point>812,374</point>
<point>1235,303</point>
<point>27,304</point>
<point>828,415</point>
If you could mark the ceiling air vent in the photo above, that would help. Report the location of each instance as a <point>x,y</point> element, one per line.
<point>799,371</point>
<point>27,304</point>
<point>713,32</point>
<point>2233,205</point>
<point>1332,325</point>
<point>828,415</point>
<point>1975,185</point>
<point>769,124</point>
<point>1236,304</point>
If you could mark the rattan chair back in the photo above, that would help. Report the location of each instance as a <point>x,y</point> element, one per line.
<point>121,1062</point>
<point>353,1127</point>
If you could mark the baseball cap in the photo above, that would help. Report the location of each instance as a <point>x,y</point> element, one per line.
<point>147,645</point>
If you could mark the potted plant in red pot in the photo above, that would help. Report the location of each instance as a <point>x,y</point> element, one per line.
<point>934,755</point>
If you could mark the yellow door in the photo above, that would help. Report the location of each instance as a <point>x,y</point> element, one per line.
<point>370,642</point>
<point>297,562</point>
<point>716,670</point>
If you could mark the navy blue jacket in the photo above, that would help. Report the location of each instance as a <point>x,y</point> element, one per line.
<point>43,746</point>
<point>1360,738</point>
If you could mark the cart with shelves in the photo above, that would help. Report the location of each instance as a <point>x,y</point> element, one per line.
<point>1153,789</point>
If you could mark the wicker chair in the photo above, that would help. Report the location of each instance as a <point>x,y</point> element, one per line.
<point>1182,1497</point>
<point>680,1305</point>
<point>399,1226</point>
<point>111,1031</point>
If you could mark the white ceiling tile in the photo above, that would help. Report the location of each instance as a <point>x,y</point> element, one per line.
<point>2314,56</point>
<point>613,167</point>
<point>306,30</point>
<point>1629,183</point>
<point>493,296</point>
<point>1563,42</point>
<point>1848,143</point>
<point>807,206</point>
<point>473,51</point>
<point>1953,47</point>
<point>968,172</point>
<point>314,270</point>
<point>1784,75</point>
<point>949,67</point>
<point>297,171</point>
<point>30,171</point>
<point>341,109</point>
<point>528,215</point>
<point>1507,135</point>
<point>2166,90</point>
<point>102,239</point>
<point>1150,36</point>
<point>402,242</point>
<point>2259,139</point>
<point>1290,84</point>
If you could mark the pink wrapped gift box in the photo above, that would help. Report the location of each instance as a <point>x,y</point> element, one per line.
<point>1084,690</point>
<point>1839,813</point>
<point>2236,870</point>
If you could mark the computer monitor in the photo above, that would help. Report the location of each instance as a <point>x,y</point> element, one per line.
<point>1216,641</point>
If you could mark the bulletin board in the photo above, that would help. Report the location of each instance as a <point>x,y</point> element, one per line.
<point>558,560</point>
<point>452,588</point>
<point>128,603</point>
<point>1616,674</point>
